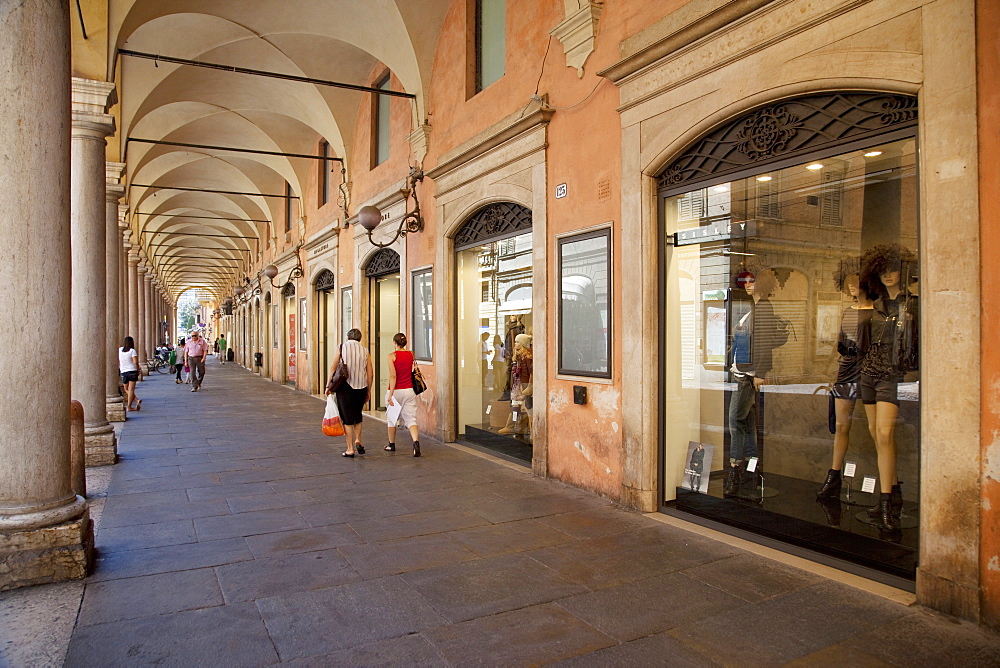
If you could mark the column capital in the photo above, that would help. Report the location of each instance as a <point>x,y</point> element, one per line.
<point>123,217</point>
<point>90,100</point>
<point>113,174</point>
<point>133,254</point>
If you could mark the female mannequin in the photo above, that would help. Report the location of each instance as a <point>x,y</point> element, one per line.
<point>855,326</point>
<point>892,339</point>
<point>521,374</point>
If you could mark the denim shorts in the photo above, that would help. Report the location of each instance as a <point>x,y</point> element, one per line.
<point>130,377</point>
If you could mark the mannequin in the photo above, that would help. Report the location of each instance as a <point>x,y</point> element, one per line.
<point>514,328</point>
<point>891,353</point>
<point>696,466</point>
<point>751,360</point>
<point>855,326</point>
<point>521,390</point>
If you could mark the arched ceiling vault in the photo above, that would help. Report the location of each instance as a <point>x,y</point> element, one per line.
<point>208,240</point>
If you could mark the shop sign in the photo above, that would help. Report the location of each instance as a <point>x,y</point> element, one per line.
<point>718,230</point>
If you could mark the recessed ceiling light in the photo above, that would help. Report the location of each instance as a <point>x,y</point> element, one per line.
<point>872,154</point>
<point>814,166</point>
<point>764,178</point>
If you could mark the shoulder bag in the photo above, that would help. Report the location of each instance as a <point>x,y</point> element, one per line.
<point>418,380</point>
<point>339,375</point>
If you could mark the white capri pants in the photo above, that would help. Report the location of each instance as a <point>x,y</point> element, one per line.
<point>408,400</point>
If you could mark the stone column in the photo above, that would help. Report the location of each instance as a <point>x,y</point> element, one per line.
<point>133,293</point>
<point>147,321</point>
<point>88,223</point>
<point>45,529</point>
<point>123,248</point>
<point>140,328</point>
<point>114,192</point>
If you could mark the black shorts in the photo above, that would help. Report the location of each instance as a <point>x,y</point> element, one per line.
<point>874,390</point>
<point>350,403</point>
<point>847,391</point>
<point>130,377</point>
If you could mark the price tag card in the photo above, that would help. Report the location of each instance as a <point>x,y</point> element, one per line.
<point>514,415</point>
<point>850,468</point>
<point>488,408</point>
<point>869,484</point>
<point>752,464</point>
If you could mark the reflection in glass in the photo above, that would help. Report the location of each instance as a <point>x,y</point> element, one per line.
<point>422,330</point>
<point>385,302</point>
<point>768,318</point>
<point>584,316</point>
<point>494,366</point>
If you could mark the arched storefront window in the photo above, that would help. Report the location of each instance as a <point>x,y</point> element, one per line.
<point>325,286</point>
<point>790,326</point>
<point>382,271</point>
<point>494,366</point>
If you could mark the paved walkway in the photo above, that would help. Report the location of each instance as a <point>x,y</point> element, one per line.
<point>234,534</point>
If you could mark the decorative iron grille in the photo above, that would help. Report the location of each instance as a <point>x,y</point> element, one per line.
<point>383,263</point>
<point>288,290</point>
<point>492,222</point>
<point>788,128</point>
<point>326,281</point>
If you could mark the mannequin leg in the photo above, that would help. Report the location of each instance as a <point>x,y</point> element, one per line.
<point>844,411</point>
<point>885,444</point>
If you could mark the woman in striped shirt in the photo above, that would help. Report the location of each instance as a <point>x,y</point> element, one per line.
<point>353,393</point>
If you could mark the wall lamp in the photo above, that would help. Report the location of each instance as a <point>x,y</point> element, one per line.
<point>412,221</point>
<point>245,291</point>
<point>271,270</point>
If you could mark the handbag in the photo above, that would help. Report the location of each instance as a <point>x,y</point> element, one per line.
<point>418,380</point>
<point>339,375</point>
<point>332,425</point>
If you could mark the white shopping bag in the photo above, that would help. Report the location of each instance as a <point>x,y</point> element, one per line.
<point>332,426</point>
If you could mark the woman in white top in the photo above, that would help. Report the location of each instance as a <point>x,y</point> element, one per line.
<point>353,393</point>
<point>128,365</point>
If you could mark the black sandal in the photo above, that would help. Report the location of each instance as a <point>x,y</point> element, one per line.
<point>360,449</point>
<point>347,454</point>
<point>391,447</point>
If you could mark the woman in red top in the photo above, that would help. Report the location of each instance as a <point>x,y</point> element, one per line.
<point>401,393</point>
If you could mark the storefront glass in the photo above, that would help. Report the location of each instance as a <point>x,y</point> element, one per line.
<point>791,381</point>
<point>494,345</point>
<point>385,325</point>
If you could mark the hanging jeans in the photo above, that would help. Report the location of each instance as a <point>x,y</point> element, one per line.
<point>743,419</point>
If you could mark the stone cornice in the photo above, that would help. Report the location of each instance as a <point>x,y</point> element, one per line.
<point>577,31</point>
<point>493,136</point>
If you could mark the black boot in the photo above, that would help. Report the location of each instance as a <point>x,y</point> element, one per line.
<point>831,486</point>
<point>886,517</point>
<point>416,448</point>
<point>897,504</point>
<point>731,486</point>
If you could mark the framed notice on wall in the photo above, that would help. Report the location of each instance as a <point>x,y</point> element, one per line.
<point>291,346</point>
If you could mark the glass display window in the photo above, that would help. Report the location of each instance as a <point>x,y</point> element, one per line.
<point>791,352</point>
<point>495,346</point>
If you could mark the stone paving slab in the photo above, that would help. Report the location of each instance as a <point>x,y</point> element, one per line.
<point>238,535</point>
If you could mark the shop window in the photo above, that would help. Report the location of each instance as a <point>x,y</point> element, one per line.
<point>495,347</point>
<point>380,123</point>
<point>585,304</point>
<point>422,311</point>
<point>790,295</point>
<point>490,42</point>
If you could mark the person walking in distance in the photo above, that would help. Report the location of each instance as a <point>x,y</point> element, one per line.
<point>128,365</point>
<point>222,349</point>
<point>195,351</point>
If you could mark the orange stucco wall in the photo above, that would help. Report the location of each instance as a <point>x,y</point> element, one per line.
<point>988,74</point>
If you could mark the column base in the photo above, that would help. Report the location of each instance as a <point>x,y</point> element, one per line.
<point>116,409</point>
<point>49,554</point>
<point>101,446</point>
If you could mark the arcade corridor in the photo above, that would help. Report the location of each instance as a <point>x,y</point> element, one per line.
<point>234,533</point>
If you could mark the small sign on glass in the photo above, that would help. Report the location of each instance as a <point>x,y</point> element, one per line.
<point>489,407</point>
<point>850,468</point>
<point>752,465</point>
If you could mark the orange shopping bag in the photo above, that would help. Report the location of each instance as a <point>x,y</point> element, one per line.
<point>332,426</point>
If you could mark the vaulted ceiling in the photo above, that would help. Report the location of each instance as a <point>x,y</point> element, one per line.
<point>334,40</point>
